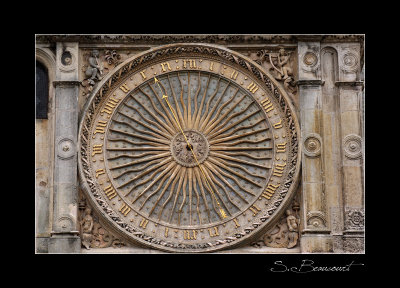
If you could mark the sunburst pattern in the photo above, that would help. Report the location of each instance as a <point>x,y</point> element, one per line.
<point>152,167</point>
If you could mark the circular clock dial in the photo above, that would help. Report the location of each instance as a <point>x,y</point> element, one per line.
<point>156,172</point>
<point>188,148</point>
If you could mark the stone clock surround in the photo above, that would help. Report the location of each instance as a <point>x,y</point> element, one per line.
<point>327,225</point>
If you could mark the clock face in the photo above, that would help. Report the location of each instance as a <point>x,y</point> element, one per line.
<point>188,151</point>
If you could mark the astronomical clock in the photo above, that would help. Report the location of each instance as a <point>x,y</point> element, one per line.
<point>189,148</point>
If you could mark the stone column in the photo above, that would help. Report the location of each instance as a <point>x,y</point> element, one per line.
<point>64,235</point>
<point>332,144</point>
<point>315,233</point>
<point>351,121</point>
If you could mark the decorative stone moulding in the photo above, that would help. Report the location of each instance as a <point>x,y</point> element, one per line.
<point>310,61</point>
<point>312,145</point>
<point>352,146</point>
<point>350,61</point>
<point>65,148</point>
<point>316,219</point>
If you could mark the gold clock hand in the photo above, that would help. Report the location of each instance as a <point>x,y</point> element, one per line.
<point>165,97</point>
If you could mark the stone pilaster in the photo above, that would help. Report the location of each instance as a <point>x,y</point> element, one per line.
<point>315,233</point>
<point>64,235</point>
<point>351,118</point>
<point>332,144</point>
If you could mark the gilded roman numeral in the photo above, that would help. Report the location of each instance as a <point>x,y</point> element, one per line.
<point>143,223</point>
<point>166,232</point>
<point>99,172</point>
<point>143,75</point>
<point>234,74</point>
<point>100,127</point>
<point>110,192</point>
<point>252,87</point>
<point>97,149</point>
<point>281,147</point>
<point>266,103</point>
<point>192,63</point>
<point>125,209</point>
<point>110,105</point>
<point>189,234</point>
<point>124,88</point>
<point>213,232</point>
<point>236,223</point>
<point>163,66</point>
<point>269,191</point>
<point>211,66</point>
<point>278,170</point>
<point>278,124</point>
<point>255,209</point>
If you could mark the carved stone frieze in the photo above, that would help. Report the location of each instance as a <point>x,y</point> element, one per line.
<point>354,219</point>
<point>92,232</point>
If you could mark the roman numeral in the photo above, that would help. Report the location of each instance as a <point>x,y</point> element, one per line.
<point>269,191</point>
<point>100,127</point>
<point>110,105</point>
<point>110,192</point>
<point>192,63</point>
<point>143,223</point>
<point>97,149</point>
<point>278,124</point>
<point>255,210</point>
<point>234,75</point>
<point>281,147</point>
<point>266,103</point>
<point>125,209</point>
<point>99,172</point>
<point>213,232</point>
<point>189,236</point>
<point>278,170</point>
<point>163,66</point>
<point>124,88</point>
<point>252,87</point>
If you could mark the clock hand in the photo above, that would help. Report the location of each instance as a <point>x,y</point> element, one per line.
<point>165,97</point>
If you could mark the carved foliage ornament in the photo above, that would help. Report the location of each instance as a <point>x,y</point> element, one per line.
<point>199,159</point>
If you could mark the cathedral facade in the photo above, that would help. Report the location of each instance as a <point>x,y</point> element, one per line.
<point>199,143</point>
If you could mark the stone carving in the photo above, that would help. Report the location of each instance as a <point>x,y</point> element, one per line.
<point>352,146</point>
<point>310,61</point>
<point>65,148</point>
<point>350,61</point>
<point>95,70</point>
<point>93,234</point>
<point>316,219</point>
<point>112,57</point>
<point>280,67</point>
<point>87,228</point>
<point>286,233</point>
<point>354,219</point>
<point>312,145</point>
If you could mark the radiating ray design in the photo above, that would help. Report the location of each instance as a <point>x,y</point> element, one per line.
<point>139,145</point>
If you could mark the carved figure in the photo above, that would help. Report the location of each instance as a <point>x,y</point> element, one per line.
<point>86,228</point>
<point>293,228</point>
<point>282,62</point>
<point>95,70</point>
